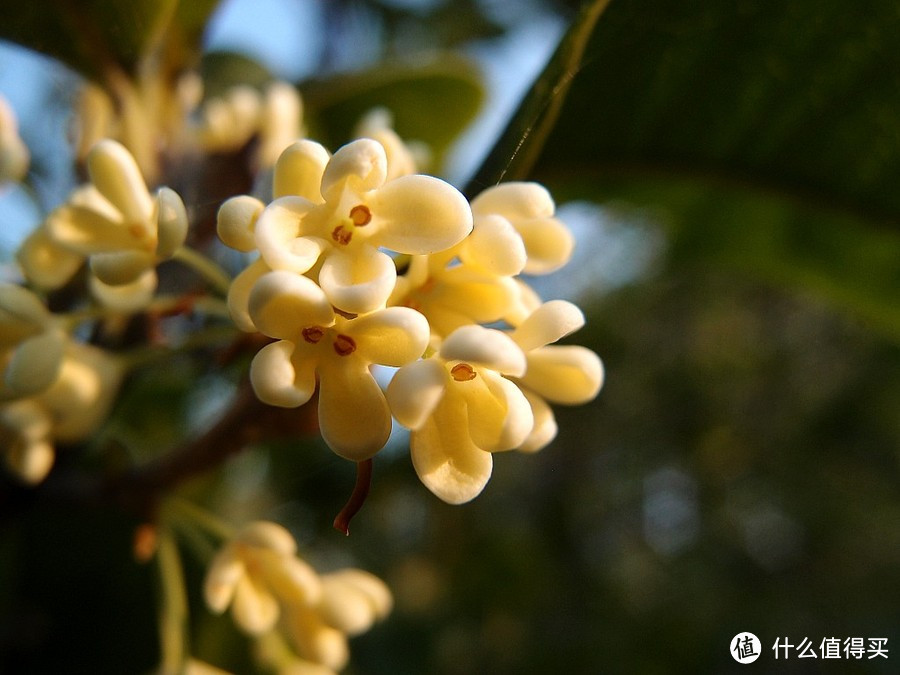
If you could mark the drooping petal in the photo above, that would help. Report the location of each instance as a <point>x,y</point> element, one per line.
<point>550,322</point>
<point>236,222</point>
<point>171,222</point>
<point>567,374</point>
<point>390,337</point>
<point>282,304</point>
<point>360,281</point>
<point>495,246</point>
<point>239,294</point>
<point>35,364</point>
<point>279,236</point>
<point>518,420</point>
<point>254,608</point>
<point>299,171</point>
<point>353,414</point>
<point>117,268</point>
<point>419,214</point>
<point>415,390</point>
<point>549,244</point>
<point>361,166</point>
<point>277,380</point>
<point>352,600</point>
<point>486,347</point>
<point>116,175</point>
<point>46,263</point>
<point>221,579</point>
<point>545,427</point>
<point>446,460</point>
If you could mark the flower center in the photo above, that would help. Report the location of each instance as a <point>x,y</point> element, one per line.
<point>360,216</point>
<point>312,334</point>
<point>462,372</point>
<point>342,235</point>
<point>344,345</point>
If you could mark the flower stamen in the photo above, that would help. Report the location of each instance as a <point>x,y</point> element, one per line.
<point>463,372</point>
<point>360,215</point>
<point>344,345</point>
<point>313,334</point>
<point>342,235</point>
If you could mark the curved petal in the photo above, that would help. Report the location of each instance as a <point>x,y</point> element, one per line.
<point>35,364</point>
<point>277,381</point>
<point>517,422</point>
<point>486,347</point>
<point>279,239</point>
<point>495,246</point>
<point>21,313</point>
<point>515,200</point>
<point>415,390</point>
<point>171,222</point>
<point>282,304</point>
<point>221,579</point>
<point>116,175</point>
<point>548,323</point>
<point>481,297</point>
<point>131,297</point>
<point>87,231</point>
<point>289,578</point>
<point>545,428</point>
<point>299,171</point>
<point>549,244</point>
<point>121,267</point>
<point>315,640</point>
<point>360,165</point>
<point>446,460</point>
<point>264,534</point>
<point>254,608</point>
<point>239,294</point>
<point>45,263</point>
<point>31,462</point>
<point>360,281</point>
<point>564,374</point>
<point>390,337</point>
<point>352,600</point>
<point>419,214</point>
<point>236,222</point>
<point>353,414</point>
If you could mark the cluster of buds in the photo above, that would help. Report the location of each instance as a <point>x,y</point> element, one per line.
<point>269,588</point>
<point>361,262</point>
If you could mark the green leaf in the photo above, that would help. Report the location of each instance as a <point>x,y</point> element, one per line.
<point>92,36</point>
<point>766,131</point>
<point>433,102</point>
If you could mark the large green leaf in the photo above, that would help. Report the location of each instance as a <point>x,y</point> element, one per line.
<point>432,102</point>
<point>766,131</point>
<point>93,36</point>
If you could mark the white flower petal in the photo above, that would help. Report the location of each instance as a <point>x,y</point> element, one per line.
<point>485,347</point>
<point>419,214</point>
<point>515,201</point>
<point>390,337</point>
<point>518,420</point>
<point>31,462</point>
<point>548,323</point>
<point>87,231</point>
<point>361,166</point>
<point>282,304</point>
<point>545,428</point>
<point>118,268</point>
<point>567,374</point>
<point>236,222</point>
<point>35,364</point>
<point>291,579</point>
<point>279,239</point>
<point>21,313</point>
<point>221,579</point>
<point>315,640</point>
<point>494,246</point>
<point>132,297</point>
<point>254,608</point>
<point>549,244</point>
<point>353,413</point>
<point>239,294</point>
<point>299,171</point>
<point>171,222</point>
<point>415,390</point>
<point>46,263</point>
<point>116,175</point>
<point>277,381</point>
<point>358,281</point>
<point>352,600</point>
<point>265,534</point>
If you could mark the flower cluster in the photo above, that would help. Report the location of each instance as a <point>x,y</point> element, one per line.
<point>259,575</point>
<point>361,262</point>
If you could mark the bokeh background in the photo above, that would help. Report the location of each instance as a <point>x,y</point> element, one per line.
<point>731,175</point>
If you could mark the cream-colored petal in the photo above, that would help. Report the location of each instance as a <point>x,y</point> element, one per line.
<point>254,608</point>
<point>375,590</point>
<point>116,175</point>
<point>549,244</point>
<point>236,222</point>
<point>35,364</point>
<point>45,263</point>
<point>132,297</point>
<point>390,337</point>
<point>361,165</point>
<point>299,171</point>
<point>291,579</point>
<point>22,313</point>
<point>358,281</point>
<point>171,222</point>
<point>483,298</point>
<point>567,374</point>
<point>121,267</point>
<point>523,302</point>
<point>494,246</point>
<point>446,460</point>
<point>279,121</point>
<point>415,390</point>
<point>276,380</point>
<point>518,420</point>
<point>221,579</point>
<point>419,214</point>
<point>550,322</point>
<point>279,236</point>
<point>86,231</point>
<point>315,640</point>
<point>351,600</point>
<point>282,304</point>
<point>486,347</point>
<point>353,414</point>
<point>265,534</point>
<point>515,201</point>
<point>239,294</point>
<point>31,462</point>
<point>545,428</point>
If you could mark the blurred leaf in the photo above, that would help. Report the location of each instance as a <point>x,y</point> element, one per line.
<point>767,131</point>
<point>433,102</point>
<point>222,70</point>
<point>93,35</point>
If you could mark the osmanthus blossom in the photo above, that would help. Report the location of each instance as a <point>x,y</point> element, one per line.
<point>115,222</point>
<point>14,155</point>
<point>564,374</point>
<point>357,212</point>
<point>70,410</point>
<point>460,408</point>
<point>315,340</point>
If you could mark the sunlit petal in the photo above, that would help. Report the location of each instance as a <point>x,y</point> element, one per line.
<point>116,175</point>
<point>564,374</point>
<point>360,281</point>
<point>117,268</point>
<point>550,322</point>
<point>277,380</point>
<point>254,608</point>
<point>545,427</point>
<point>46,263</point>
<point>415,390</point>
<point>390,337</point>
<point>171,222</point>
<point>279,236</point>
<point>236,222</point>
<point>282,304</point>
<point>239,294</point>
<point>361,165</point>
<point>485,347</point>
<point>515,201</point>
<point>86,231</point>
<point>495,246</point>
<point>549,244</point>
<point>299,171</point>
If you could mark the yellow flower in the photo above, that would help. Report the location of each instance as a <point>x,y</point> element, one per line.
<point>315,340</point>
<point>460,408</point>
<point>14,155</point>
<point>566,374</point>
<point>257,573</point>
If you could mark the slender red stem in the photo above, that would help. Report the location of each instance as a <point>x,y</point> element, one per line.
<point>357,497</point>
